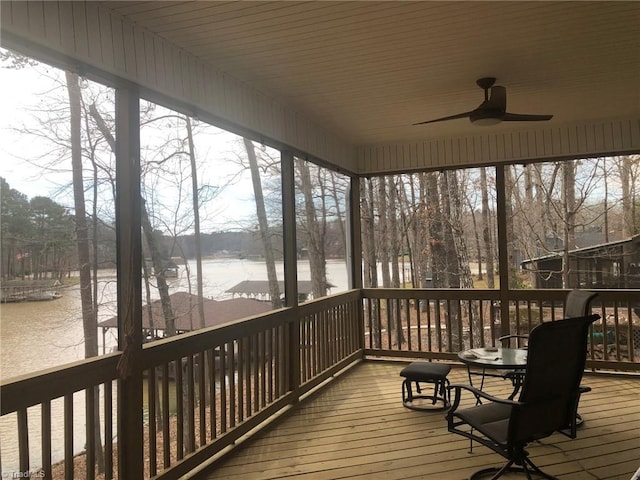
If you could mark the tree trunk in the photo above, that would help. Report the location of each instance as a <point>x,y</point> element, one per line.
<point>263,225</point>
<point>383,232</point>
<point>369,256</point>
<point>511,249</point>
<point>368,245</point>
<point>457,230</point>
<point>89,313</point>
<point>435,231</point>
<point>317,260</point>
<point>569,207</point>
<point>196,220</point>
<point>486,229</point>
<point>158,267</point>
<point>340,215</point>
<point>452,271</point>
<point>628,227</point>
<point>394,236</point>
<point>605,212</point>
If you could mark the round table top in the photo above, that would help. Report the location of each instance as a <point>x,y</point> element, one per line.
<point>510,358</point>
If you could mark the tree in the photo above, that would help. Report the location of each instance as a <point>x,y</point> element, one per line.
<point>15,233</point>
<point>89,313</point>
<point>312,227</point>
<point>486,229</point>
<point>263,225</point>
<point>52,237</point>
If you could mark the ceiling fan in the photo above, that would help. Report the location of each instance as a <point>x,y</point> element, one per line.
<point>494,108</point>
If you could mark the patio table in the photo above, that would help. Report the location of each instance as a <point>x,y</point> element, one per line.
<point>506,363</point>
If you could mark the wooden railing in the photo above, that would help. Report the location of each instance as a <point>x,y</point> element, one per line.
<point>205,390</point>
<point>437,323</point>
<point>202,392</point>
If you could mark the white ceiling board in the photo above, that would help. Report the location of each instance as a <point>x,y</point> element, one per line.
<point>368,70</point>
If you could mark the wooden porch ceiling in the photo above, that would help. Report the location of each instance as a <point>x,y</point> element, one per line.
<point>358,429</point>
<point>368,70</point>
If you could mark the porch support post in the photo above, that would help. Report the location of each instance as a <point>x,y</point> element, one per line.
<point>503,248</point>
<point>129,265</point>
<point>354,255</point>
<point>291,267</point>
<point>354,243</point>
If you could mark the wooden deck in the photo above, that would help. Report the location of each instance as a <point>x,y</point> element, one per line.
<point>357,428</point>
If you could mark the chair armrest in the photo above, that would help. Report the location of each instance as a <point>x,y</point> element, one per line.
<point>478,393</point>
<point>507,337</point>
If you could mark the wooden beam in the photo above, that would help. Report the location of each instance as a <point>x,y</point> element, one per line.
<point>129,260</point>
<point>290,269</point>
<point>503,247</point>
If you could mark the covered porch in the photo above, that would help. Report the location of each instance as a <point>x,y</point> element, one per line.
<point>345,98</point>
<point>337,433</point>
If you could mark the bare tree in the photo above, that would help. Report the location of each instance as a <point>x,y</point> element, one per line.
<point>196,218</point>
<point>89,313</point>
<point>486,229</point>
<point>263,225</point>
<point>314,232</point>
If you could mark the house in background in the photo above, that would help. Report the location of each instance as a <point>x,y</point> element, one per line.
<point>608,265</point>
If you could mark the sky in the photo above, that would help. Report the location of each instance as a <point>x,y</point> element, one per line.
<point>25,88</point>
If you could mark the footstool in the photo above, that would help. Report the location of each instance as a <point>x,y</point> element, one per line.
<point>426,372</point>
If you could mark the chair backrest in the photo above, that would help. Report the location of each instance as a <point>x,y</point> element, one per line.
<point>577,303</point>
<point>556,359</point>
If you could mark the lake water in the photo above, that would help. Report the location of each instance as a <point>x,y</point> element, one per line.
<point>39,335</point>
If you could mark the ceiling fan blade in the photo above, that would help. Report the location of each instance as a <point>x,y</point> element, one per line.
<point>498,99</point>
<point>451,117</point>
<point>520,117</point>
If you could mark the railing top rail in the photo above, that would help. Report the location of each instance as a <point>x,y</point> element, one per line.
<point>31,389</point>
<point>26,390</point>
<point>431,293</point>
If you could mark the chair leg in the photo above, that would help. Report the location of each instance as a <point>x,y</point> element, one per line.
<point>407,394</point>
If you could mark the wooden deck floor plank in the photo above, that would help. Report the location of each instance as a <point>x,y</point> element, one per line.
<point>618,471</point>
<point>357,442</point>
<point>355,439</point>
<point>395,464</point>
<point>357,429</point>
<point>363,447</point>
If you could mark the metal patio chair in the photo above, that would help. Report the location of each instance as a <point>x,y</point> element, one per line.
<point>547,403</point>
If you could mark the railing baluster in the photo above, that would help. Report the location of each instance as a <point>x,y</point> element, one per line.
<point>223,389</point>
<point>449,322</point>
<point>240,369</point>
<point>90,441</point>
<point>308,348</point>
<point>232,366</point>
<point>264,362</point>
<point>325,318</point>
<point>68,437</point>
<point>191,405</point>
<point>166,434</point>
<point>202,397</point>
<point>429,328</point>
<point>151,399</point>
<point>179,410</point>
<point>45,422</point>
<point>257,364</point>
<point>23,439</point>
<point>418,310</point>
<point>271,355</point>
<point>213,415</point>
<point>108,431</point>
<point>470,324</point>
